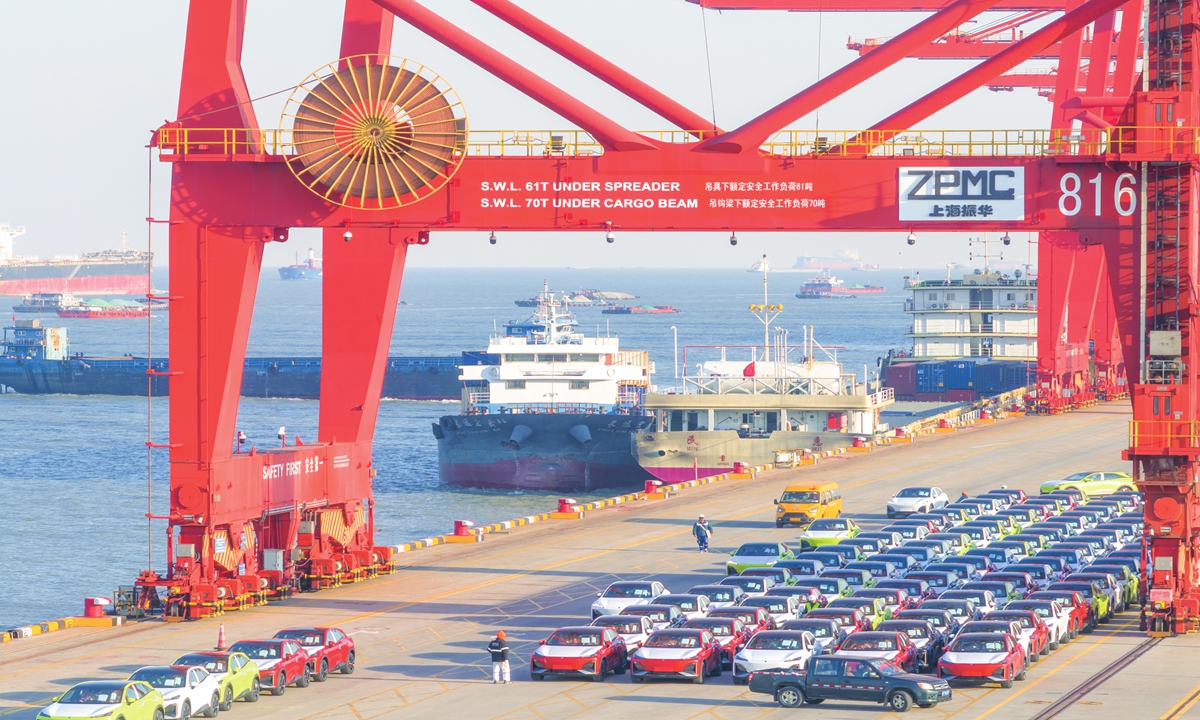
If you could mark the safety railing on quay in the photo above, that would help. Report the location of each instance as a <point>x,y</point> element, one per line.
<point>177,142</point>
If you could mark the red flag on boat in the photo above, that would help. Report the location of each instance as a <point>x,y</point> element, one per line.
<point>748,371</point>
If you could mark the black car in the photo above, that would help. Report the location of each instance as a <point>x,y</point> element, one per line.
<point>832,677</point>
<point>930,641</point>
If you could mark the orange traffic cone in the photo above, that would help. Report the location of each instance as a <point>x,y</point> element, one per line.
<point>221,638</point>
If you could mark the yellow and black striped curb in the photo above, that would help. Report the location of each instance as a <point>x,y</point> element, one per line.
<point>580,507</point>
<point>956,418</point>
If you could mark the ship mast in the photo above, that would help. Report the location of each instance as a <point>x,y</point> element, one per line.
<point>766,313</point>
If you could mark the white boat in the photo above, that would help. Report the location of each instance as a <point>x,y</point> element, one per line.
<point>776,403</point>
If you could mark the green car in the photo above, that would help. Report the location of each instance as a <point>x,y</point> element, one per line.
<point>828,531</point>
<point>757,554</point>
<point>1011,524</point>
<point>1091,591</point>
<point>1129,580</point>
<point>235,672</point>
<point>960,542</point>
<point>874,608</point>
<point>1092,484</point>
<point>107,699</point>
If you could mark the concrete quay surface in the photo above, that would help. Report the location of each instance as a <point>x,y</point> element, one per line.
<point>421,633</point>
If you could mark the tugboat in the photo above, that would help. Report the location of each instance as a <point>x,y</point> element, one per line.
<point>766,407</point>
<point>310,269</point>
<point>547,408</point>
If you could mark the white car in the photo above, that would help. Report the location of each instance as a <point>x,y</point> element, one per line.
<point>719,596</point>
<point>781,608</point>
<point>633,629</point>
<point>772,649</point>
<point>912,500</point>
<point>621,595</point>
<point>690,606</point>
<point>1057,619</point>
<point>187,691</point>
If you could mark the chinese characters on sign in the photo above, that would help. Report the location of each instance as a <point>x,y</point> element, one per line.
<point>962,194</point>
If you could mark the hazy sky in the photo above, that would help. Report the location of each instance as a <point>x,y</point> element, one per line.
<point>88,80</point>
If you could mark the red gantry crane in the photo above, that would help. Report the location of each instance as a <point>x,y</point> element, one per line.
<point>376,151</point>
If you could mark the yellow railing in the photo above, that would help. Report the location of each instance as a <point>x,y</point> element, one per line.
<point>1164,435</point>
<point>180,142</point>
<point>532,143</point>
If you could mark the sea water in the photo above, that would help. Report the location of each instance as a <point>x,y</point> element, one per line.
<point>73,469</point>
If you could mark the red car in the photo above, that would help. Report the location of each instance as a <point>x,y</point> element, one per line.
<point>587,651</point>
<point>1074,602</point>
<point>983,657</point>
<point>692,653</point>
<point>328,649</point>
<point>730,632</point>
<point>851,620</point>
<point>882,645</point>
<point>280,662</point>
<point>754,618</point>
<point>1032,626</point>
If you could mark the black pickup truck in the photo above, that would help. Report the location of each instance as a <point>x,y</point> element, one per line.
<point>835,677</point>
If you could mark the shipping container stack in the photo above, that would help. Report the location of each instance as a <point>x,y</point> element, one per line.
<point>955,380</point>
<point>902,379</point>
<point>931,381</point>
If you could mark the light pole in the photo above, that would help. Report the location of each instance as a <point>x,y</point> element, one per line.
<point>675,335</point>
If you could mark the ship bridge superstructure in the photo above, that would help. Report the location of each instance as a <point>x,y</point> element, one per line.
<point>984,314</point>
<point>544,365</point>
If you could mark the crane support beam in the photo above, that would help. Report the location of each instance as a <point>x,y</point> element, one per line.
<point>986,71</point>
<point>753,133</point>
<point>608,132</point>
<point>605,70</point>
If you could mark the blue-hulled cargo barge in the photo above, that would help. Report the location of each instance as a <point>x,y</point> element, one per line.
<point>37,360</point>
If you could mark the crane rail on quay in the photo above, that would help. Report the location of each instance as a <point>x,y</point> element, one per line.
<point>376,151</point>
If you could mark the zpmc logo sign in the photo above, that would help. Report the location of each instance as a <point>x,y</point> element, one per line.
<point>962,194</point>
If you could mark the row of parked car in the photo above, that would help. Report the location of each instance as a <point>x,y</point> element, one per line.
<point>974,592</point>
<point>204,684</point>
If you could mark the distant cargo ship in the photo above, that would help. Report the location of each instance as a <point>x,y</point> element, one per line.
<point>109,272</point>
<point>639,310</point>
<point>546,408</point>
<point>827,286</point>
<point>582,298</point>
<point>310,269</point>
<point>35,359</point>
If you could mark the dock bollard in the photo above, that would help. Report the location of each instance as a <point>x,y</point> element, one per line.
<point>858,444</point>
<point>567,510</point>
<point>93,607</point>
<point>654,490</point>
<point>464,532</point>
